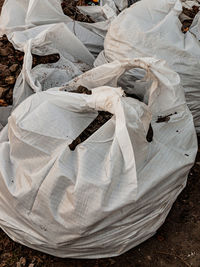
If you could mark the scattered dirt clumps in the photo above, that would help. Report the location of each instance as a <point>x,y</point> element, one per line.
<point>70,9</point>
<point>82,90</point>
<point>190,13</point>
<point>53,58</point>
<point>11,61</point>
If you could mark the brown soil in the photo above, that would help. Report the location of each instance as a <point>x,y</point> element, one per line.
<point>70,9</point>
<point>1,4</point>
<point>11,62</point>
<point>190,13</point>
<point>176,244</point>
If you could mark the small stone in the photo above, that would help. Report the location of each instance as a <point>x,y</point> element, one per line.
<point>5,51</point>
<point>20,58</point>
<point>14,67</point>
<point>22,261</point>
<point>10,80</point>
<point>4,71</point>
<point>3,103</point>
<point>149,258</point>
<point>2,68</point>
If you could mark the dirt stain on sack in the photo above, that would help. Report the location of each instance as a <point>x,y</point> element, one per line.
<point>164,118</point>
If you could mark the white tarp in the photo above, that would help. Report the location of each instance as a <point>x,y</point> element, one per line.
<point>153,28</point>
<point>115,189</point>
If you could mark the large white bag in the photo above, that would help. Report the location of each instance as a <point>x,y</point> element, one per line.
<point>153,28</point>
<point>116,188</point>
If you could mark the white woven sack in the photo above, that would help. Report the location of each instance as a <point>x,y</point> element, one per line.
<point>116,188</point>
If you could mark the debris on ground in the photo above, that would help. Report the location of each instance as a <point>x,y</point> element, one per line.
<point>11,61</point>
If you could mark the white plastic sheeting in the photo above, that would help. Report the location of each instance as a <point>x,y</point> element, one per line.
<point>115,189</point>
<point>153,28</point>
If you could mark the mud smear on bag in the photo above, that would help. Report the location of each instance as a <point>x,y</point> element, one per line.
<point>165,118</point>
<point>11,61</point>
<point>70,9</point>
<point>187,21</point>
<point>160,119</point>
